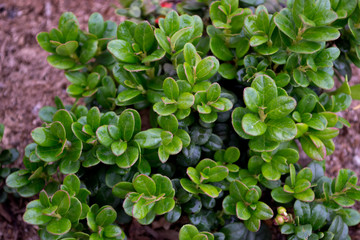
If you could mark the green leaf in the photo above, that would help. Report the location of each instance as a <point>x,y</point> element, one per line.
<point>263,211</point>
<point>33,188</point>
<point>35,216</point>
<point>210,190</point>
<point>213,92</point>
<point>341,180</point>
<point>319,216</point>
<point>339,228</point>
<point>126,30</point>
<point>17,179</point>
<point>185,101</point>
<point>266,88</point>
<point>102,134</point>
<point>302,7</point>
<point>355,92</point>
<point>45,137</point>
<point>281,130</point>
<point>75,210</point>
<point>305,47</point>
<point>106,215</point>
<point>112,231</point>
<point>66,120</point>
<point>229,205</point>
<point>163,40</point>
<point>144,184</point>
<point>252,196</point>
<point>190,54</point>
<point>306,196</point>
<point>227,70</point>
<point>43,40</point>
<point>253,224</point>
<point>320,34</point>
<point>171,23</point>
<point>58,226</point>
<point>279,195</point>
<point>218,173</point>
<point>220,50</point>
<point>242,211</point>
<point>128,158</point>
<point>188,232</point>
<point>313,147</point>
<point>350,216</point>
<point>287,228</point>
<point>118,148</point>
<point>171,89</point>
<point>300,78</point>
<point>96,24</point>
<point>258,40</point>
<point>181,37</point>
<point>280,107</point>
<point>88,50</point>
<point>136,68</point>
<point>285,25</point>
<point>232,154</point>
<point>174,147</point>
<point>238,190</point>
<point>193,174</point>
<point>206,68</point>
<point>168,123</point>
<point>121,189</point>
<point>321,79</point>
<point>301,185</point>
<point>144,36</point>
<point>67,48</point>
<point>163,185</point>
<point>128,95</point>
<point>93,118</point>
<point>70,30</point>
<point>236,117</point>
<point>270,172</point>
<point>252,125</point>
<point>149,138</point>
<point>303,231</point>
<point>252,99</point>
<point>154,56</point>
<point>127,125</point>
<point>164,109</point>
<point>123,51</point>
<point>189,186</point>
<point>60,62</point>
<point>61,199</point>
<point>188,72</point>
<point>164,205</point>
<point>72,184</point>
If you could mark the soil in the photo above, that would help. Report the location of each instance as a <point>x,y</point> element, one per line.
<point>28,83</point>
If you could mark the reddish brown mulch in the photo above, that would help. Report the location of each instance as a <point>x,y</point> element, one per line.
<point>28,83</point>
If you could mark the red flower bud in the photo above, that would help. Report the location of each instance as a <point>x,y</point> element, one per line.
<point>279,220</point>
<point>282,211</point>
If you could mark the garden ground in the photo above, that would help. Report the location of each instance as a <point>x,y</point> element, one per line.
<point>28,83</point>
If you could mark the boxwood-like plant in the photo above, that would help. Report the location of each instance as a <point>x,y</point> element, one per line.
<point>168,108</point>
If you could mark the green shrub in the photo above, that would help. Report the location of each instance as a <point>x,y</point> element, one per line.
<point>169,109</point>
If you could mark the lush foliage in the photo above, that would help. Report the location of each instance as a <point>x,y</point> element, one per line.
<point>203,119</point>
